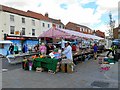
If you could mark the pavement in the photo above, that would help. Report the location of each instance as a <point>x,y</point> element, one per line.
<point>86,75</point>
<point>6,65</point>
<point>113,72</point>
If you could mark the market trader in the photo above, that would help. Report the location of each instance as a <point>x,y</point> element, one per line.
<point>68,51</point>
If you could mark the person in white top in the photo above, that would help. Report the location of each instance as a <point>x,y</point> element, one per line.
<point>68,51</point>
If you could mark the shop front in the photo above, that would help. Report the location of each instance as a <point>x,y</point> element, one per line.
<point>31,42</point>
<point>20,41</point>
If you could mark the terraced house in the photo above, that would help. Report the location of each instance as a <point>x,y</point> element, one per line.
<point>17,25</point>
<point>79,28</point>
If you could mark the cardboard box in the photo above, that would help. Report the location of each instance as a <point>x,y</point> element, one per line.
<point>67,66</point>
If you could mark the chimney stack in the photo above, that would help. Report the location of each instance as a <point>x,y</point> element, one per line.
<point>59,20</point>
<point>46,14</point>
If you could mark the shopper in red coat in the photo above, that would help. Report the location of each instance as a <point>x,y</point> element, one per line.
<point>74,47</point>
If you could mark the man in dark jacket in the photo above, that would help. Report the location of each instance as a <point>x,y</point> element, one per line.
<point>112,49</point>
<point>11,48</point>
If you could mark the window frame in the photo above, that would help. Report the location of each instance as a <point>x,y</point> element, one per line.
<point>23,31</point>
<point>48,25</point>
<point>33,33</point>
<point>23,20</point>
<point>43,24</point>
<point>12,18</point>
<point>12,29</point>
<point>33,22</point>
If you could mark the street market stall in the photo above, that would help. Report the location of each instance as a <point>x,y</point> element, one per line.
<point>50,62</point>
<point>57,33</point>
<point>18,58</point>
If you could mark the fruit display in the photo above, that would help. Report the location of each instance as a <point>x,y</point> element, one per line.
<point>35,56</point>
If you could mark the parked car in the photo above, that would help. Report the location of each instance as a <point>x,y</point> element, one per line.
<point>116,42</point>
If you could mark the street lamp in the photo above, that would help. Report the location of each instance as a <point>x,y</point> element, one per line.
<point>21,39</point>
<point>112,25</point>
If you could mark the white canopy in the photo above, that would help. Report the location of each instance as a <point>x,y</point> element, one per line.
<point>66,33</point>
<point>79,34</point>
<point>5,42</point>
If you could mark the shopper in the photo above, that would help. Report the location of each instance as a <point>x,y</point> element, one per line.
<point>74,48</point>
<point>95,47</point>
<point>43,49</point>
<point>16,49</point>
<point>11,48</point>
<point>23,49</point>
<point>36,48</point>
<point>50,48</point>
<point>80,45</point>
<point>68,51</point>
<point>26,48</point>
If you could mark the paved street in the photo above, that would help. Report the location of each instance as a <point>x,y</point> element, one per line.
<point>69,29</point>
<point>6,65</point>
<point>86,75</point>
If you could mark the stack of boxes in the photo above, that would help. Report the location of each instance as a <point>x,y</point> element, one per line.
<point>67,66</point>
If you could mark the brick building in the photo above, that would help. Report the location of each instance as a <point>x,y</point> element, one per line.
<point>79,28</point>
<point>116,32</point>
<point>100,33</point>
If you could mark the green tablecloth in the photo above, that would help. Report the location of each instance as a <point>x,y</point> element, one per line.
<point>46,63</point>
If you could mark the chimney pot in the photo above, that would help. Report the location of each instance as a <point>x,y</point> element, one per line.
<point>46,14</point>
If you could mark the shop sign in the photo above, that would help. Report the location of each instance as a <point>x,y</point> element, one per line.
<point>15,38</point>
<point>17,32</point>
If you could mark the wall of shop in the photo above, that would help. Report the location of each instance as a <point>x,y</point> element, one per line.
<point>31,43</point>
<point>18,42</point>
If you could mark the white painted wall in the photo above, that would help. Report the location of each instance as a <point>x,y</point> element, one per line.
<point>43,29</point>
<point>5,24</point>
<point>2,25</point>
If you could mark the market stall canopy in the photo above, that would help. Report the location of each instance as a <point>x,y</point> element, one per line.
<point>75,33</point>
<point>5,42</point>
<point>82,35</point>
<point>65,33</point>
<point>57,33</point>
<point>94,37</point>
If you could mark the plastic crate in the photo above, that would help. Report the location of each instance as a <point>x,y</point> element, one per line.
<point>111,60</point>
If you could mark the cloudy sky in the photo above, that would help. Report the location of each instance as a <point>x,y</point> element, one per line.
<point>92,13</point>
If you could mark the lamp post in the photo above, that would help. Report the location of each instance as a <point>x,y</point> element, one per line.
<point>21,39</point>
<point>112,25</point>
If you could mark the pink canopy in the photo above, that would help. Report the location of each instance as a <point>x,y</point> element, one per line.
<point>65,33</point>
<point>56,33</point>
